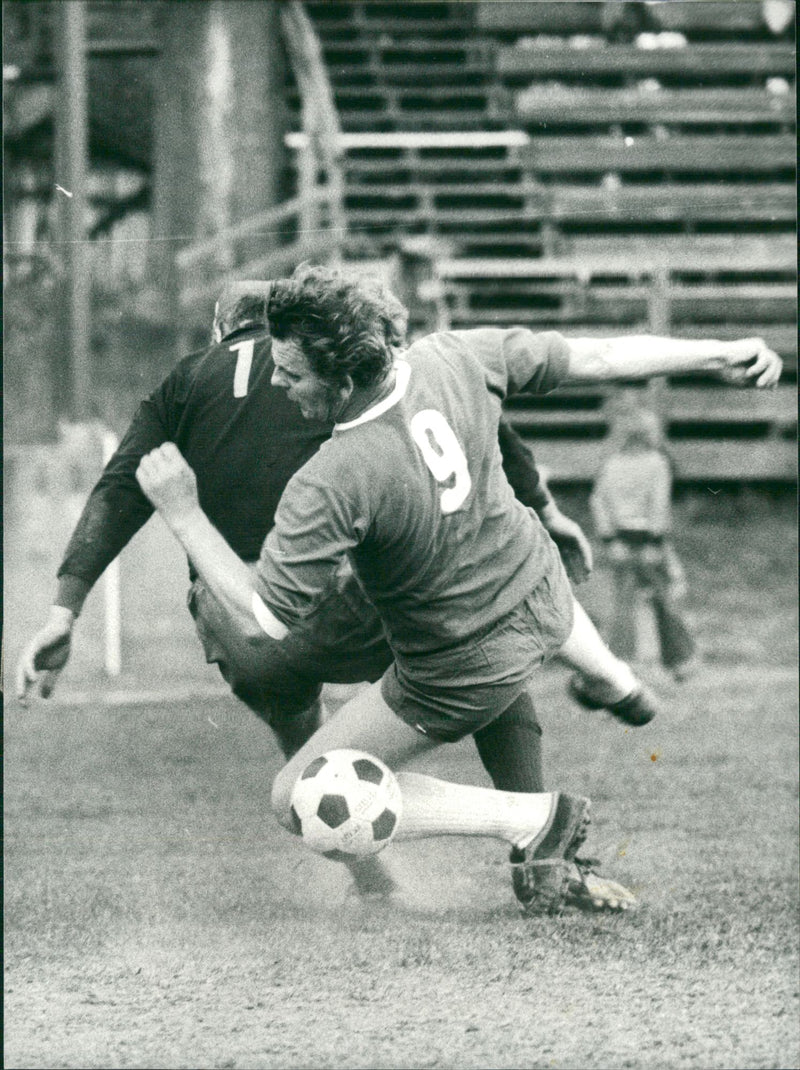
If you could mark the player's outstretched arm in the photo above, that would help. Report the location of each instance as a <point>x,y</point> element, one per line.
<point>45,655</point>
<point>744,362</point>
<point>170,484</point>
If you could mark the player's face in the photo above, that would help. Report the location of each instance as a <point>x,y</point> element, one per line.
<point>317,399</point>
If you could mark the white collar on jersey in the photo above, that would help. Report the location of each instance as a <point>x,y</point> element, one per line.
<point>402,375</point>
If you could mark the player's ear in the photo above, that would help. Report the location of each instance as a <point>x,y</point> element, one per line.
<point>346,388</point>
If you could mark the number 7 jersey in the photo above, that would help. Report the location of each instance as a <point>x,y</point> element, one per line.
<point>413,490</point>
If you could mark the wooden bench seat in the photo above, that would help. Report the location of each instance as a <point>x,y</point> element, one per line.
<point>728,16</point>
<point>561,105</point>
<point>548,18</point>
<point>527,243</point>
<point>725,405</point>
<point>715,15</point>
<point>772,303</point>
<point>568,105</point>
<point>623,315</point>
<point>539,301</point>
<point>677,404</point>
<point>516,62</point>
<point>716,154</point>
<point>648,203</point>
<point>422,141</point>
<point>636,257</point>
<point>699,460</point>
<point>590,155</point>
<point>681,202</point>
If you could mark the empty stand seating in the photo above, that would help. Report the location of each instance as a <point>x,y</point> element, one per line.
<point>596,168</point>
<point>592,167</point>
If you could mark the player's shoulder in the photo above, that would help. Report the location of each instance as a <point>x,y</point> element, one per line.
<point>217,352</point>
<point>449,352</point>
<point>207,363</point>
<point>349,462</point>
<point>332,481</point>
<point>484,345</point>
<point>459,341</point>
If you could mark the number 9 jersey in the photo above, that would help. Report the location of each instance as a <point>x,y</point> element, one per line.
<point>413,490</point>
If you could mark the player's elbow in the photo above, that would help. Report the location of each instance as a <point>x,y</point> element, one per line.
<point>593,360</point>
<point>266,620</point>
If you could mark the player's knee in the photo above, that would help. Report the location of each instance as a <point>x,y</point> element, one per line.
<point>281,799</point>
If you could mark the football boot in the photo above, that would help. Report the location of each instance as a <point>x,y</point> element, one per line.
<point>637,709</point>
<point>541,870</point>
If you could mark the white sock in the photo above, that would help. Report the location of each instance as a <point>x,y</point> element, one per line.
<point>433,807</point>
<point>608,678</point>
<point>615,684</point>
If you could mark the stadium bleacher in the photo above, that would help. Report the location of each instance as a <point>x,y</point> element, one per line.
<point>593,167</point>
<point>597,168</point>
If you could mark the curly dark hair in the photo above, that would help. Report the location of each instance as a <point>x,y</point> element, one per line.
<point>345,326</point>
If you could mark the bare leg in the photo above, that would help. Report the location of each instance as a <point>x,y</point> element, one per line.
<point>431,807</point>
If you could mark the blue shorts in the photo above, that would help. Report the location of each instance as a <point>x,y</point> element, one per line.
<point>341,642</point>
<point>454,692</point>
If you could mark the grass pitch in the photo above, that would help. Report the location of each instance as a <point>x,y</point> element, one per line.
<point>155,916</point>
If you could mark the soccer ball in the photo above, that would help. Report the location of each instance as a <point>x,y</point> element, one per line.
<point>346,803</point>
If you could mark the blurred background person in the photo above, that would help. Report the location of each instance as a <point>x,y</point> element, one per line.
<point>631,508</point>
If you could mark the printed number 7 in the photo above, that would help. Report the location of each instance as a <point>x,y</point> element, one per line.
<point>443,455</point>
<point>244,361</point>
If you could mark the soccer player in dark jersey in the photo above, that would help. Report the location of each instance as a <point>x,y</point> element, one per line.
<point>472,594</point>
<point>244,440</point>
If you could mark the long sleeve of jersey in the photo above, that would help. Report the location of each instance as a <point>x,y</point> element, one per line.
<point>514,359</point>
<point>116,508</point>
<point>520,468</point>
<point>302,555</point>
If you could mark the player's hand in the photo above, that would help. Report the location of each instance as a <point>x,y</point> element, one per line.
<point>169,483</point>
<point>46,655</point>
<point>749,362</point>
<point>574,547</point>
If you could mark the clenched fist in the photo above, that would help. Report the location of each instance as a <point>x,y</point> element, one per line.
<point>169,483</point>
<point>749,362</point>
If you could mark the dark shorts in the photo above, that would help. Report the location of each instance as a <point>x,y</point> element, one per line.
<point>453,693</point>
<point>342,642</point>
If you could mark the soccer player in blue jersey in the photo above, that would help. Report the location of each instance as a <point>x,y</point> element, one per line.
<point>470,590</point>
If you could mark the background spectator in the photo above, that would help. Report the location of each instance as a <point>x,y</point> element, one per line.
<point>631,507</point>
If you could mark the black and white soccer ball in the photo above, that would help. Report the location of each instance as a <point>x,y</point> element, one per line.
<point>346,803</point>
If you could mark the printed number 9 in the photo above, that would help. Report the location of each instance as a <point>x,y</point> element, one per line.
<point>443,455</point>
